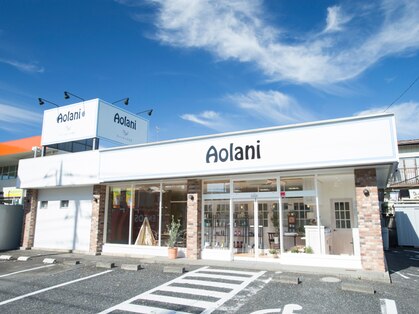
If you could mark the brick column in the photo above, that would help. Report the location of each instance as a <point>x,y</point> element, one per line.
<point>30,205</point>
<point>98,219</point>
<point>193,230</point>
<point>369,224</point>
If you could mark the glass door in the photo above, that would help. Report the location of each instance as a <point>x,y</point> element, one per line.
<point>244,235</point>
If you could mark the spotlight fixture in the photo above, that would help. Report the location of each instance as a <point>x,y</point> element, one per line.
<point>67,96</point>
<point>366,192</point>
<point>126,100</point>
<point>149,112</point>
<point>42,101</point>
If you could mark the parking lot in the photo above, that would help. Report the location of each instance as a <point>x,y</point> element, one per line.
<point>67,287</point>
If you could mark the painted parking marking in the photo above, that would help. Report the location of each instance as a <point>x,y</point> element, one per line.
<point>53,287</point>
<point>401,275</point>
<point>413,275</point>
<point>25,270</point>
<point>202,280</point>
<point>388,306</point>
<point>288,309</point>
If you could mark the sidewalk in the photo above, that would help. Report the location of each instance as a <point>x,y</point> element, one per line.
<point>184,262</point>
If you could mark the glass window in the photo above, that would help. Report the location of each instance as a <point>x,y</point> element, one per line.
<point>174,204</point>
<point>44,204</point>
<point>265,185</point>
<point>342,215</point>
<point>263,214</point>
<point>64,204</point>
<point>217,187</point>
<point>118,215</point>
<point>216,224</point>
<point>5,173</point>
<point>146,219</point>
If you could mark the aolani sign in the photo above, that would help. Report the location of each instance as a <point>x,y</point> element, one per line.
<point>92,118</point>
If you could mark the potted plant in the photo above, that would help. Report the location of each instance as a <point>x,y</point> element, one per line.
<point>174,234</point>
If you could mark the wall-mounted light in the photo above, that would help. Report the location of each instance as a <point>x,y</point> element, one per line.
<point>95,199</point>
<point>366,192</point>
<point>67,96</point>
<point>126,101</point>
<point>191,197</point>
<point>149,112</point>
<point>42,101</point>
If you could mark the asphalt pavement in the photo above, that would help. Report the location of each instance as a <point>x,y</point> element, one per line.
<point>74,283</point>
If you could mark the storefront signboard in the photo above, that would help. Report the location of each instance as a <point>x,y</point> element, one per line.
<point>90,119</point>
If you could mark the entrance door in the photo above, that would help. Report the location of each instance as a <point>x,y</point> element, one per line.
<point>244,244</point>
<point>342,242</point>
<point>253,223</point>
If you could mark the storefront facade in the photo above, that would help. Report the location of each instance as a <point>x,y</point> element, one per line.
<point>309,193</point>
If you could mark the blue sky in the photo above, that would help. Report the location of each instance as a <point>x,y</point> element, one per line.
<point>207,67</point>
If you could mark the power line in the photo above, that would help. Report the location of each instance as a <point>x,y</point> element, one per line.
<point>401,95</point>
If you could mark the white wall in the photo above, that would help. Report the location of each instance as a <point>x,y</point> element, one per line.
<point>407,223</point>
<point>332,143</point>
<point>59,170</point>
<point>64,228</point>
<point>332,187</point>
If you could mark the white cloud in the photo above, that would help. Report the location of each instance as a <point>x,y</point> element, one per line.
<point>211,119</point>
<point>14,116</point>
<point>407,117</point>
<point>335,19</point>
<point>24,67</point>
<point>237,30</point>
<point>272,106</point>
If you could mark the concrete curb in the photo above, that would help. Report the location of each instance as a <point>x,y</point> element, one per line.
<point>24,258</point>
<point>71,262</point>
<point>6,257</point>
<point>289,279</point>
<point>105,265</point>
<point>132,267</point>
<point>357,287</point>
<point>174,269</point>
<point>49,261</point>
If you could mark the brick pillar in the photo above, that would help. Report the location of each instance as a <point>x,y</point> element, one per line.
<point>30,205</point>
<point>369,224</point>
<point>193,230</point>
<point>98,219</point>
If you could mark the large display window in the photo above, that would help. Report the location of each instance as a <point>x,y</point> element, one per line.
<point>118,215</point>
<point>285,214</point>
<point>140,214</point>
<point>145,216</point>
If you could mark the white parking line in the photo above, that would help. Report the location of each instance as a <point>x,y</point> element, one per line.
<point>53,287</point>
<point>24,271</point>
<point>194,278</point>
<point>388,306</point>
<point>413,275</point>
<point>401,275</point>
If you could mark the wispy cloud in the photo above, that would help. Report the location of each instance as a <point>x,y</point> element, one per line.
<point>212,120</point>
<point>272,106</point>
<point>407,117</point>
<point>335,19</point>
<point>12,115</point>
<point>24,67</point>
<point>237,30</point>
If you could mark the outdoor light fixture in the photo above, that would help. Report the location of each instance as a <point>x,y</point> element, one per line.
<point>149,112</point>
<point>366,192</point>
<point>67,96</point>
<point>126,100</point>
<point>42,101</point>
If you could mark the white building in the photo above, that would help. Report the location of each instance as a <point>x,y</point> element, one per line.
<point>310,191</point>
